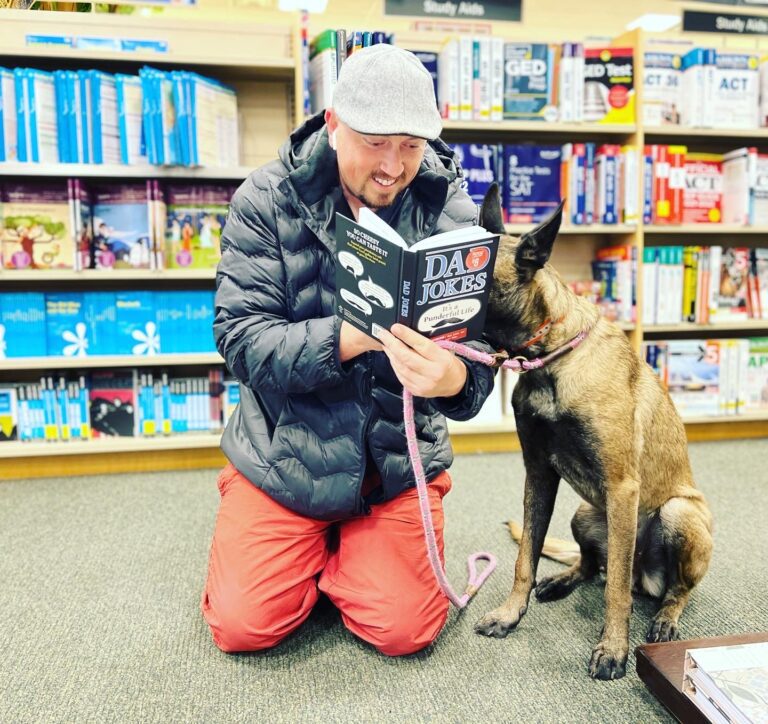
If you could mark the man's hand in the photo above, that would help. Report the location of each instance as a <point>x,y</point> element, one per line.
<point>353,342</point>
<point>424,368</point>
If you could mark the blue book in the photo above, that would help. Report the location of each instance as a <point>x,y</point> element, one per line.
<point>480,165</point>
<point>105,137</point>
<point>62,115</point>
<point>86,122</point>
<point>22,321</point>
<point>201,314</point>
<point>41,119</point>
<point>130,115</point>
<point>429,61</point>
<point>137,332</point>
<point>8,134</point>
<point>589,183</point>
<point>101,318</point>
<point>171,321</point>
<point>528,82</point>
<point>66,324</point>
<point>531,189</point>
<point>22,132</point>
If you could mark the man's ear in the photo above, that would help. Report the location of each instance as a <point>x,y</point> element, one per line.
<point>490,211</point>
<point>535,246</point>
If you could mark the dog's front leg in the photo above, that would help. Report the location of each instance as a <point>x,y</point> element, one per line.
<point>609,657</point>
<point>539,501</point>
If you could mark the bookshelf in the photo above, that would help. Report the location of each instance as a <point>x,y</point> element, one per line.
<point>263,64</point>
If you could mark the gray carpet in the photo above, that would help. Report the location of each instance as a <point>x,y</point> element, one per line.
<point>100,579</point>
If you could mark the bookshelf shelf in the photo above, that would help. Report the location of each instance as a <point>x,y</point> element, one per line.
<point>671,229</point>
<point>119,171</point>
<point>108,361</point>
<point>542,127</point>
<point>585,229</point>
<point>725,134</point>
<point>736,326</point>
<point>109,445</point>
<point>89,275</point>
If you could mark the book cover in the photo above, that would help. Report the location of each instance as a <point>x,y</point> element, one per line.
<point>36,226</point>
<point>195,216</point>
<point>137,329</point>
<point>8,132</point>
<point>122,226</point>
<point>734,679</point>
<point>756,384</point>
<point>112,404</point>
<point>22,325</point>
<point>609,91</point>
<point>737,90</point>
<point>65,323</point>
<point>703,193</point>
<point>661,88</point>
<point>528,82</point>
<point>9,417</point>
<point>481,165</point>
<point>531,189</point>
<point>694,377</point>
<point>438,286</point>
<point>731,302</point>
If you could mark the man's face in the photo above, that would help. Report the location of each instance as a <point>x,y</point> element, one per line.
<point>374,169</point>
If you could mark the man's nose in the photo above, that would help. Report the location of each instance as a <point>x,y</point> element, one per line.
<point>391,163</point>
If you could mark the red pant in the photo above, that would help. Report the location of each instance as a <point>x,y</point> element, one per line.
<point>265,562</point>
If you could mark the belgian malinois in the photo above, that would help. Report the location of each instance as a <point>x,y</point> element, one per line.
<point>598,418</point>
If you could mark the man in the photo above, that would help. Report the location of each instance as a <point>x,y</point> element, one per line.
<point>319,493</point>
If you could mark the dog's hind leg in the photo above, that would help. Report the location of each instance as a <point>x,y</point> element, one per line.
<point>539,501</point>
<point>590,530</point>
<point>686,525</point>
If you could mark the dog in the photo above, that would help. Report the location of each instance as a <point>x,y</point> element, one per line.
<point>597,417</point>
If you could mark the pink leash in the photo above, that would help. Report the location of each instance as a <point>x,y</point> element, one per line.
<point>476,580</point>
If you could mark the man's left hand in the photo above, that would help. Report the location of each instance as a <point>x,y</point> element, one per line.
<point>424,368</point>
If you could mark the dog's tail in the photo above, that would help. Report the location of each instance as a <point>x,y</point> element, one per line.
<point>563,551</point>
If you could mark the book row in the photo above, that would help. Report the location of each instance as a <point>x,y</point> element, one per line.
<point>712,376</point>
<point>68,224</point>
<point>81,324</point>
<point>324,56</point>
<point>599,182</point>
<point>129,403</point>
<point>89,116</point>
<point>680,187</point>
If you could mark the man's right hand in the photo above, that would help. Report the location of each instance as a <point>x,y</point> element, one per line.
<point>353,342</point>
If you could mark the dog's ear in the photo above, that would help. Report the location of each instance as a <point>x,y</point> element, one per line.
<point>490,211</point>
<point>536,245</point>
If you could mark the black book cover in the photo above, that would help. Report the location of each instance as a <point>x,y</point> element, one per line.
<point>440,290</point>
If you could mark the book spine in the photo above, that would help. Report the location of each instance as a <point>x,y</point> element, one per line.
<point>407,303</point>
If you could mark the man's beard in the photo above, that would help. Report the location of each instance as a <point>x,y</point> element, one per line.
<point>372,204</point>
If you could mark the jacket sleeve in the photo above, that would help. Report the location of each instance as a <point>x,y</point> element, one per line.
<point>252,329</point>
<point>467,403</point>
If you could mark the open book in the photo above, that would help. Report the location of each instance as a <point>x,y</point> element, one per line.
<point>438,286</point>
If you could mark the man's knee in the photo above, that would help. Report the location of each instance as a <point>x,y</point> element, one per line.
<point>401,631</point>
<point>239,627</point>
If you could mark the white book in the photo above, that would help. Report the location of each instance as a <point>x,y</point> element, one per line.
<point>742,359</point>
<point>739,168</point>
<point>650,289</point>
<point>484,97</point>
<point>736,91</point>
<point>762,116</point>
<point>578,79</point>
<point>760,192</point>
<point>448,80</point>
<point>497,79</point>
<point>42,117</point>
<point>715,260</point>
<point>8,133</point>
<point>567,83</point>
<point>630,183</point>
<point>661,88</point>
<point>465,78</point>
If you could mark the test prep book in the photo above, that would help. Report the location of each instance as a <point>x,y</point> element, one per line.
<point>439,286</point>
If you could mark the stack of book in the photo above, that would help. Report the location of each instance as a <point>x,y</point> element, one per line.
<point>728,684</point>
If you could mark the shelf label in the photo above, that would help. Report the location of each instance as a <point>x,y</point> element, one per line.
<point>508,10</point>
<point>60,40</point>
<point>696,21</point>
<point>154,46</point>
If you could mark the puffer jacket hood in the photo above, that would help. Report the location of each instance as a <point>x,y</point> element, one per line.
<point>307,425</point>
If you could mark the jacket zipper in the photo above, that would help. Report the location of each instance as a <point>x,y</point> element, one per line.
<point>362,506</point>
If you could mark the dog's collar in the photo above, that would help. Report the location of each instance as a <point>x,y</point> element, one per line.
<point>540,332</point>
<point>521,364</point>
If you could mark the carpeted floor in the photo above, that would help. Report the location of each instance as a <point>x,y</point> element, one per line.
<point>100,580</point>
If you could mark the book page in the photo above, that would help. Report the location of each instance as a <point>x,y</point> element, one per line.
<point>373,222</point>
<point>455,236</point>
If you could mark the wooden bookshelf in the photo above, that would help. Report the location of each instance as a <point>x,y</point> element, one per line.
<point>109,361</point>
<point>122,171</point>
<point>96,275</point>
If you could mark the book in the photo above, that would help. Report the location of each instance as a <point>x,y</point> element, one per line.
<point>729,683</point>
<point>609,94</point>
<point>438,286</point>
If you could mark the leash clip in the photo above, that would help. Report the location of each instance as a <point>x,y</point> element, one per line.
<point>520,361</point>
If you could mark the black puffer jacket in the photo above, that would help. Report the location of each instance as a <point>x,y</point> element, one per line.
<point>304,418</point>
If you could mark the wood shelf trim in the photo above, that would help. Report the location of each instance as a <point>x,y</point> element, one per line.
<point>116,170</point>
<point>578,129</point>
<point>703,229</point>
<point>759,134</point>
<point>105,361</point>
<point>586,229</point>
<point>742,325</point>
<point>70,275</point>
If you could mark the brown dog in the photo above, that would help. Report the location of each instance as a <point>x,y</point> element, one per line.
<point>598,418</point>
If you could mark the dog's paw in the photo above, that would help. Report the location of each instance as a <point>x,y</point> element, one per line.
<point>607,662</point>
<point>662,628</point>
<point>554,587</point>
<point>498,623</point>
